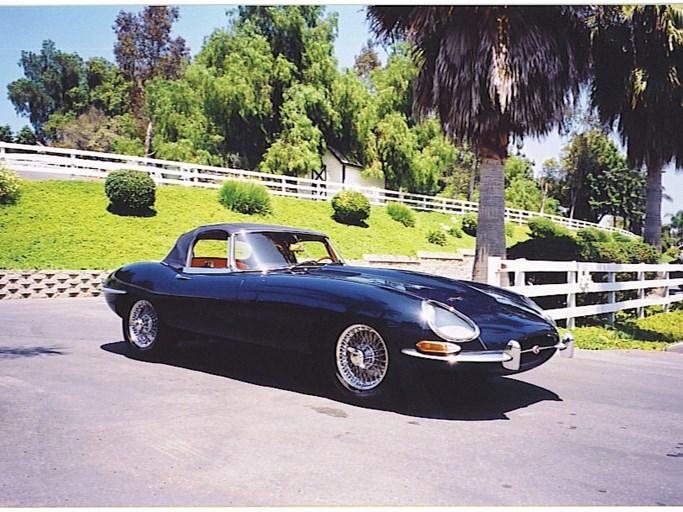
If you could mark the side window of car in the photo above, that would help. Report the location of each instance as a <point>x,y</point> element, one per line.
<point>210,254</point>
<point>256,251</point>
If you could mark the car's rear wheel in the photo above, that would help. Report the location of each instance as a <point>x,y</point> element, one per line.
<point>143,330</point>
<point>361,362</point>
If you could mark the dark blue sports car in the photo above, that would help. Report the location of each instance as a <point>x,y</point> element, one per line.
<point>289,288</point>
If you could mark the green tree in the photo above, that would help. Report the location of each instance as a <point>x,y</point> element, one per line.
<point>598,181</point>
<point>521,190</point>
<point>6,134</point>
<point>350,99</point>
<point>51,83</point>
<point>676,227</point>
<point>638,55</point>
<point>26,136</point>
<point>182,131</point>
<point>297,150</point>
<point>237,104</point>
<point>491,72</point>
<point>551,175</point>
<point>109,92</point>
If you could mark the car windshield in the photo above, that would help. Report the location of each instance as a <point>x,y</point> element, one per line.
<point>274,250</point>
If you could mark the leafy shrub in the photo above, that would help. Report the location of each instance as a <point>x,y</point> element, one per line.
<point>350,207</point>
<point>593,235</point>
<point>245,197</point>
<point>661,327</point>
<point>401,213</point>
<point>633,251</point>
<point>469,224</point>
<point>552,249</point>
<point>437,237</point>
<point>542,227</point>
<point>601,338</point>
<point>455,231</point>
<point>621,238</point>
<point>10,185</point>
<point>130,192</point>
<point>509,229</point>
<point>640,252</point>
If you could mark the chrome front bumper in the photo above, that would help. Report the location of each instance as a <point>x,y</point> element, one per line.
<point>510,357</point>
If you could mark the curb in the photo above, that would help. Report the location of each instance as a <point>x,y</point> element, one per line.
<point>677,347</point>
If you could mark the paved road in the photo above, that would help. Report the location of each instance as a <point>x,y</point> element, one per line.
<point>82,424</point>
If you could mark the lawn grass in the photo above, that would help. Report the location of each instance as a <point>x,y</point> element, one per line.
<point>66,225</point>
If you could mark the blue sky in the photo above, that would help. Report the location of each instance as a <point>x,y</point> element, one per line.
<point>87,31</point>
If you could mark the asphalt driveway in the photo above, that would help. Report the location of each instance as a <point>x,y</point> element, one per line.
<point>83,424</point>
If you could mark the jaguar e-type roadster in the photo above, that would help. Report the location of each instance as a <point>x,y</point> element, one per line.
<point>290,289</point>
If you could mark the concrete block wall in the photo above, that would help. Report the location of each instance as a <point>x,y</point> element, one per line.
<point>454,265</point>
<point>47,284</point>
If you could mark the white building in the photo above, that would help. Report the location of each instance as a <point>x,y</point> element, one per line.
<point>339,170</point>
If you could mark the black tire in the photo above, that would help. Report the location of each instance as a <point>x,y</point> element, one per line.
<point>359,364</point>
<point>144,332</point>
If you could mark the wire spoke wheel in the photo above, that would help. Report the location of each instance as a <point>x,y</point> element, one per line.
<point>362,358</point>
<point>143,325</point>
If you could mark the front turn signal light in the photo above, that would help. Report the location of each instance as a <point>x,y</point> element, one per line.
<point>438,347</point>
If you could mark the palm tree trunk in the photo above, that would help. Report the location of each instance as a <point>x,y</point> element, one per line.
<point>491,219</point>
<point>652,232</point>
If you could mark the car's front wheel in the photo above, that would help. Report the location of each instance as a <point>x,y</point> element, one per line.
<point>361,362</point>
<point>143,330</point>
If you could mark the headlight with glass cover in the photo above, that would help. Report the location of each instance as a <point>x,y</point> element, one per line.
<point>448,323</point>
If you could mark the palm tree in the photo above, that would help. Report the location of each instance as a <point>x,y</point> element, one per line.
<point>638,85</point>
<point>491,73</point>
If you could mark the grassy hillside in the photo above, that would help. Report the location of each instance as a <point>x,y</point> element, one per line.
<point>66,225</point>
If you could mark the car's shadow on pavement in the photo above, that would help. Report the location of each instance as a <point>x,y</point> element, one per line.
<point>441,395</point>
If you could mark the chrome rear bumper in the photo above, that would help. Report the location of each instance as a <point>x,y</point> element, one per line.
<point>510,357</point>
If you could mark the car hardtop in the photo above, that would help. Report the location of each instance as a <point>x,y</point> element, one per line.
<point>178,255</point>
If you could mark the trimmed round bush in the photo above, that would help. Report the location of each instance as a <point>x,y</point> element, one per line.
<point>469,224</point>
<point>9,186</point>
<point>130,191</point>
<point>401,213</point>
<point>350,207</point>
<point>246,197</point>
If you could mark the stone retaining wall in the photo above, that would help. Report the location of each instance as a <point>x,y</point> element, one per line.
<point>47,284</point>
<point>454,265</point>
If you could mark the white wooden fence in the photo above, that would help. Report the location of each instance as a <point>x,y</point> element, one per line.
<point>653,284</point>
<point>94,165</point>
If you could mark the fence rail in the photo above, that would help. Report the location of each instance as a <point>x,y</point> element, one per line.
<point>653,284</point>
<point>94,165</point>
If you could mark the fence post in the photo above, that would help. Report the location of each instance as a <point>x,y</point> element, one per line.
<point>520,276</point>
<point>641,294</point>
<point>572,276</point>
<point>666,291</point>
<point>611,295</point>
<point>493,277</point>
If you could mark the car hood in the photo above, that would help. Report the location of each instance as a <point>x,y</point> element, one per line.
<point>476,300</point>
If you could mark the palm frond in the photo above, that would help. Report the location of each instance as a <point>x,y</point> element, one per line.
<point>492,69</point>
